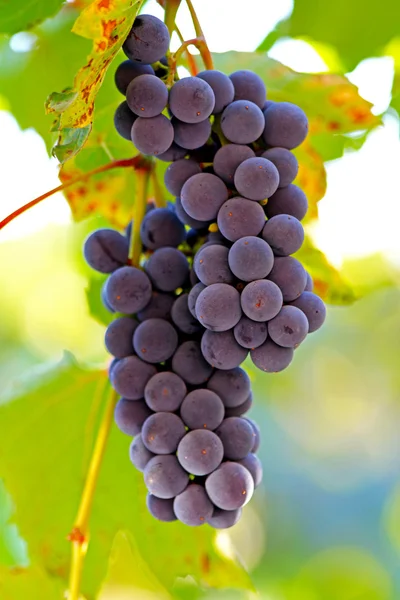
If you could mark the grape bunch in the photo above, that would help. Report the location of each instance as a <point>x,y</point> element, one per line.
<point>217,280</point>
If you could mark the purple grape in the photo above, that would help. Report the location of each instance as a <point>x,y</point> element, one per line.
<point>178,173</point>
<point>289,275</point>
<point>128,290</point>
<point>164,476</point>
<point>159,307</point>
<point>189,363</point>
<point>211,265</point>
<point>232,386</point>
<point>161,227</point>
<point>186,219</point>
<point>124,120</point>
<point>239,217</point>
<point>230,487</point>
<point>221,350</point>
<point>130,415</point>
<point>165,392</point>
<point>221,86</point>
<point>286,125</point>
<point>285,162</point>
<point>285,234</point>
<point>238,411</point>
<point>310,284</point>
<point>242,122</point>
<point>313,308</point>
<point>167,268</point>
<point>191,100</point>
<point>250,258</point>
<point>249,86</point>
<point>182,317</point>
<point>250,334</point>
<point>129,377</point>
<point>193,295</point>
<point>290,200</point>
<point>191,135</point>
<point>127,71</point>
<point>218,307</point>
<point>119,335</point>
<point>222,519</point>
<point>173,153</point>
<point>147,41</point>
<point>200,452</point>
<point>104,298</point>
<point>147,96</point>
<point>256,434</point>
<point>271,358</point>
<point>193,507</point>
<point>256,178</point>
<point>253,464</point>
<point>155,340</point>
<point>161,508</point>
<point>152,135</point>
<point>112,365</point>
<point>202,409</point>
<point>289,328</point>
<point>202,196</point>
<point>261,300</point>
<point>162,432</point>
<point>139,454</point>
<point>106,250</point>
<point>228,158</point>
<point>237,437</point>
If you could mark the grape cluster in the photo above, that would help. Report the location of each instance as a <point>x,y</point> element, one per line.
<point>218,280</point>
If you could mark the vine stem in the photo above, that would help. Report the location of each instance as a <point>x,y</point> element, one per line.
<point>79,536</point>
<point>158,193</point>
<point>135,247</point>
<point>190,58</point>
<point>203,47</point>
<point>136,162</point>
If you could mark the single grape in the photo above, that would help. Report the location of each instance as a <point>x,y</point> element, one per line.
<point>130,415</point>
<point>155,340</point>
<point>290,200</point>
<point>202,409</point>
<point>271,358</point>
<point>161,227</point>
<point>249,86</point>
<point>182,317</point>
<point>105,250</point>
<point>238,411</point>
<point>138,453</point>
<point>127,71</point>
<point>200,452</point>
<point>310,284</point>
<point>128,290</point>
<point>222,87</point>
<point>119,335</point>
<point>242,122</point>
<point>232,386</point>
<point>253,464</point>
<point>162,432</point>
<point>286,125</point>
<point>250,258</point>
<point>239,217</point>
<point>250,334</point>
<point>191,100</point>
<point>193,507</point>
<point>165,392</point>
<point>313,308</point>
<point>189,363</point>
<point>152,135</point>
<point>222,519</point>
<point>211,265</point>
<point>159,307</point>
<point>218,307</point>
<point>186,219</point>
<point>147,41</point>
<point>124,119</point>
<point>202,196</point>
<point>221,350</point>
<point>147,96</point>
<point>191,135</point>
<point>173,153</point>
<point>164,476</point>
<point>289,328</point>
<point>236,435</point>
<point>192,298</point>
<point>178,173</point>
<point>285,234</point>
<point>161,508</point>
<point>285,162</point>
<point>230,487</point>
<point>167,268</point>
<point>228,158</point>
<point>129,377</point>
<point>261,300</point>
<point>112,365</point>
<point>256,178</point>
<point>289,275</point>
<point>256,434</point>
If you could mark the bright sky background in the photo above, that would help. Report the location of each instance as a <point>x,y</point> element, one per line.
<point>360,212</point>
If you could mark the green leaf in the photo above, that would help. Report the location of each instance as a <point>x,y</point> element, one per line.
<point>31,583</point>
<point>26,14</point>
<point>49,426</point>
<point>12,547</point>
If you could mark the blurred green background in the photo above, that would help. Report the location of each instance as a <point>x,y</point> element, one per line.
<point>325,523</point>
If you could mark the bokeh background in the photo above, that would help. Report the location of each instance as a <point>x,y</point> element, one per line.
<point>325,524</point>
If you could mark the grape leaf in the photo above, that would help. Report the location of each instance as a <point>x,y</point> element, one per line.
<point>107,23</point>
<point>26,14</point>
<point>48,427</point>
<point>31,583</point>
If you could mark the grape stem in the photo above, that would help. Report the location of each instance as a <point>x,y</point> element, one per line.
<point>79,535</point>
<point>136,162</point>
<point>135,247</point>
<point>171,8</point>
<point>203,49</point>
<point>158,193</point>
<point>192,66</point>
